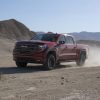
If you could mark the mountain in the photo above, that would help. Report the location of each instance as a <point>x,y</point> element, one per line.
<point>13,29</point>
<point>40,32</point>
<point>86,35</point>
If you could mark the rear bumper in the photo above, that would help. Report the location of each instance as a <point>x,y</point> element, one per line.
<point>30,58</point>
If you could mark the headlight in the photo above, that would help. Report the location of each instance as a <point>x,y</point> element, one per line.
<point>42,47</point>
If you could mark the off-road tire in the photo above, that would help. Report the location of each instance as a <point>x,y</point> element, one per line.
<point>81,60</point>
<point>50,62</point>
<point>21,64</point>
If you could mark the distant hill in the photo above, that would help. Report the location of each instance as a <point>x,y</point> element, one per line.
<point>40,32</point>
<point>87,35</point>
<point>12,29</point>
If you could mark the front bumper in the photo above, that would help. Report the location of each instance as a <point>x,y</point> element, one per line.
<point>30,58</point>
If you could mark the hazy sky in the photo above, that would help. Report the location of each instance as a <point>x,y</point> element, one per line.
<point>54,15</point>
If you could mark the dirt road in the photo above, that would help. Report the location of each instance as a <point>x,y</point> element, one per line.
<point>67,82</point>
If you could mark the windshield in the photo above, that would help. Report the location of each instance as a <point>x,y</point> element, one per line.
<point>46,37</point>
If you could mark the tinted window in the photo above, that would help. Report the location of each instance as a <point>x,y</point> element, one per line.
<point>46,37</point>
<point>69,40</point>
<point>62,38</point>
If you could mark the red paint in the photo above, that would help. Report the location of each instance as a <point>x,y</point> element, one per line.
<point>63,52</point>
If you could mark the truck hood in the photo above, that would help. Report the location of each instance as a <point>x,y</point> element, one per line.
<point>37,42</point>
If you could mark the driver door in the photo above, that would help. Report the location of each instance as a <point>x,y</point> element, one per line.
<point>62,47</point>
<point>70,48</point>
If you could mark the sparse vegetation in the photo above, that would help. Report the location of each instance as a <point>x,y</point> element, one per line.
<point>89,42</point>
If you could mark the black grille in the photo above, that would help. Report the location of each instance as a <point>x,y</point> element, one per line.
<point>26,48</point>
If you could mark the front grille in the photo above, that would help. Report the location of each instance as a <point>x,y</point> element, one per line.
<point>26,48</point>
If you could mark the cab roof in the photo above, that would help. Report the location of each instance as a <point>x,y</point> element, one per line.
<point>65,34</point>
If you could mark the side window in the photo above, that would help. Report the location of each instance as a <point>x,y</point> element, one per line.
<point>62,38</point>
<point>69,40</point>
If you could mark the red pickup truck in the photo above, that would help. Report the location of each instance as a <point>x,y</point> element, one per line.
<point>49,49</point>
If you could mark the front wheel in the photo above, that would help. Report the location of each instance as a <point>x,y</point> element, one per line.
<point>21,64</point>
<point>50,62</point>
<point>81,60</point>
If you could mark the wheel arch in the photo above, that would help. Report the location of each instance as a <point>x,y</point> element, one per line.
<point>53,53</point>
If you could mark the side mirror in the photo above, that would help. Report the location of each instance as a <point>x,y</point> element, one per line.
<point>61,42</point>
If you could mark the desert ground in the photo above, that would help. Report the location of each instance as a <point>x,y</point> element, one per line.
<point>66,82</point>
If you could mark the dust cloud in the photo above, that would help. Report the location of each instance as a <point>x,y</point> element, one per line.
<point>93,57</point>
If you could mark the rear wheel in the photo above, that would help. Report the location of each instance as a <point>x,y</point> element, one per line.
<point>21,64</point>
<point>81,60</point>
<point>50,62</point>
